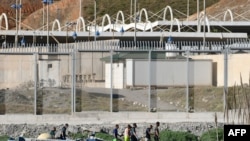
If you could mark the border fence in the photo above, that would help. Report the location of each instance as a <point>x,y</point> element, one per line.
<point>116,45</point>
<point>109,50</point>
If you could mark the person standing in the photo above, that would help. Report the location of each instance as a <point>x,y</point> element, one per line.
<point>127,133</point>
<point>133,133</point>
<point>63,132</point>
<point>156,132</point>
<point>53,133</point>
<point>148,133</point>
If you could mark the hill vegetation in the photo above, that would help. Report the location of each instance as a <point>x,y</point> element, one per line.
<point>68,10</point>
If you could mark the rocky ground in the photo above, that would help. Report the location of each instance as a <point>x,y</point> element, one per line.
<point>33,131</point>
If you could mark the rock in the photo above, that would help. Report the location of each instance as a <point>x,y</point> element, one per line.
<point>33,131</point>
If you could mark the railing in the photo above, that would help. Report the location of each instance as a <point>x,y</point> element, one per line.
<point>116,45</point>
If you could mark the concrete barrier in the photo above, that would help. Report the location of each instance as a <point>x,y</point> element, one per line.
<point>112,118</point>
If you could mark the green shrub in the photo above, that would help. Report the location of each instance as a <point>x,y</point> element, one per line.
<point>167,135</point>
<point>4,138</point>
<point>104,136</point>
<point>211,135</point>
<point>78,135</point>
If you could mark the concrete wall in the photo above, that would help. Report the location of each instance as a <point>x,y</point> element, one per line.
<point>111,118</point>
<point>117,78</point>
<point>238,67</point>
<point>17,70</point>
<point>166,73</point>
<point>52,70</point>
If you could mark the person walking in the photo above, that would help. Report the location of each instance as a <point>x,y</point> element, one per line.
<point>63,132</point>
<point>127,133</point>
<point>116,133</point>
<point>133,133</point>
<point>156,132</point>
<point>148,133</point>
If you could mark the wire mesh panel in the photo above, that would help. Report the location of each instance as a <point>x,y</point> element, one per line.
<point>122,76</point>
<point>17,83</point>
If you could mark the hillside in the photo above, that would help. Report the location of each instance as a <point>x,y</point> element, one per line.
<point>68,10</point>
<point>29,6</point>
<point>238,7</point>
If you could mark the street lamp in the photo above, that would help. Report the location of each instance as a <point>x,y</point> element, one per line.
<point>204,25</point>
<point>95,21</point>
<point>48,2</point>
<point>122,30</point>
<point>97,33</point>
<point>170,40</point>
<point>198,10</point>
<point>131,17</point>
<point>23,42</point>
<point>135,18</point>
<point>20,14</point>
<point>67,30</point>
<point>74,35</point>
<point>187,9</point>
<point>16,6</point>
<point>80,10</point>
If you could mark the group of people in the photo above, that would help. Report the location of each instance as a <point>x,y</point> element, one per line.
<point>130,133</point>
<point>156,133</point>
<point>62,133</point>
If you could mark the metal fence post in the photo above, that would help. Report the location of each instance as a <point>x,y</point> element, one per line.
<point>225,92</point>
<point>187,83</point>
<point>35,83</point>
<point>111,80</point>
<point>73,89</point>
<point>149,80</point>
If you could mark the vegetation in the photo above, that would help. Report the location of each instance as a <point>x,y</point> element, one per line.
<point>104,136</point>
<point>111,7</point>
<point>4,138</point>
<point>213,135</point>
<point>177,136</point>
<point>237,107</point>
<point>77,136</point>
<point>201,98</point>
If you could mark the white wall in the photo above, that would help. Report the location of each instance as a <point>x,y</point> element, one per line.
<point>165,73</point>
<point>117,75</point>
<point>238,68</point>
<point>15,70</point>
<point>49,76</point>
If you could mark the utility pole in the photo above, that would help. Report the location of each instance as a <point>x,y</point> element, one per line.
<point>16,38</point>
<point>95,21</point>
<point>20,14</point>
<point>135,22</point>
<point>187,9</point>
<point>80,10</point>
<point>204,24</point>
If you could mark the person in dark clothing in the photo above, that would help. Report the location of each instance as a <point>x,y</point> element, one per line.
<point>63,133</point>
<point>53,133</point>
<point>148,133</point>
<point>133,133</point>
<point>115,132</point>
<point>157,133</point>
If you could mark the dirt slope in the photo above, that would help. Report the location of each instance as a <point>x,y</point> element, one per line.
<point>28,7</point>
<point>68,10</point>
<point>239,9</point>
